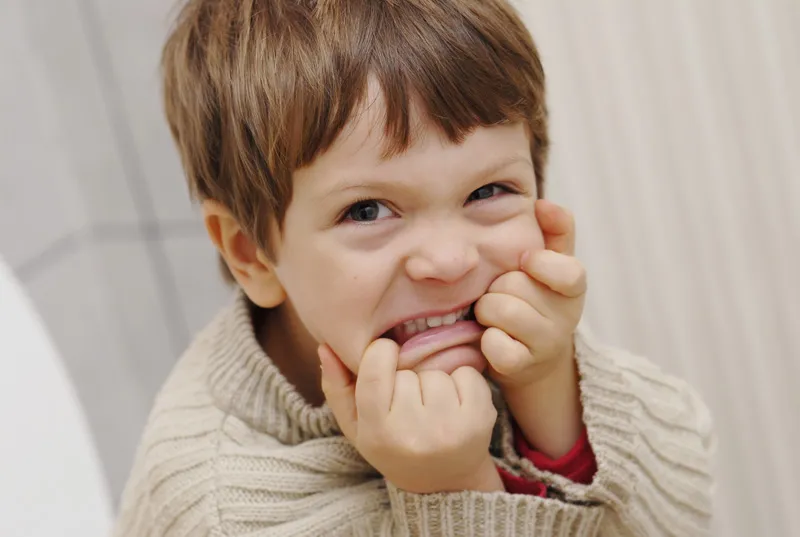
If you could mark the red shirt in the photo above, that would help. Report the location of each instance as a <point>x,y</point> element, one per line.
<point>578,465</point>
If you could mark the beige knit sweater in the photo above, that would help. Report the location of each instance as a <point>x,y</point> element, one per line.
<point>231,449</point>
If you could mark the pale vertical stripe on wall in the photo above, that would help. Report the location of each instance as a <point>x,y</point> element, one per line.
<point>676,135</point>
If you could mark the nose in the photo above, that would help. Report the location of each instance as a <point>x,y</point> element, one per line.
<point>443,254</point>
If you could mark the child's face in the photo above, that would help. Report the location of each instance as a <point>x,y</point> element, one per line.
<point>369,243</point>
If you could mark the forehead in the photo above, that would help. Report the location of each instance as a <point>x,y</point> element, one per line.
<point>359,153</point>
<point>364,135</point>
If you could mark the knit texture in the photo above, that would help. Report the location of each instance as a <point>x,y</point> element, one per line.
<point>231,449</point>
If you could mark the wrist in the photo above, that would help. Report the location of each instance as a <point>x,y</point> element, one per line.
<point>486,479</point>
<point>548,412</point>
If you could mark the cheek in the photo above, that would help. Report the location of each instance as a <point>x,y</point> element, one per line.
<point>346,316</point>
<point>505,244</point>
<point>335,296</point>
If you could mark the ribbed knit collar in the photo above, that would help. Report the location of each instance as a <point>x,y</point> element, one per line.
<point>246,383</point>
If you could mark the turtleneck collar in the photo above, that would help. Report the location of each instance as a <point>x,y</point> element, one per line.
<point>246,383</point>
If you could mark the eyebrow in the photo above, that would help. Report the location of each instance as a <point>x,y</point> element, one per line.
<point>502,164</point>
<point>344,185</point>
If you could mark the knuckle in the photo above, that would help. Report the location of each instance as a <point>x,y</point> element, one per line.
<point>488,422</point>
<point>433,376</point>
<point>464,374</point>
<point>515,359</point>
<point>368,382</point>
<point>486,406</point>
<point>577,276</point>
<point>492,341</point>
<point>404,375</point>
<point>505,310</point>
<point>405,380</point>
<point>517,280</point>
<point>521,355</point>
<point>366,388</point>
<point>577,269</point>
<point>509,282</point>
<point>484,305</point>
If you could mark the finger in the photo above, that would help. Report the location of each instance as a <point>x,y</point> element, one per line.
<point>505,354</point>
<point>557,225</point>
<point>438,391</point>
<point>474,393</point>
<point>561,273</point>
<point>375,382</point>
<point>407,391</point>
<point>524,287</point>
<point>338,385</point>
<point>510,314</point>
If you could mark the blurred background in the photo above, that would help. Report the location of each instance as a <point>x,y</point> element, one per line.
<point>676,141</point>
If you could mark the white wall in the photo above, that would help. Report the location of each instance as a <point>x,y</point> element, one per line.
<point>94,214</point>
<point>676,141</point>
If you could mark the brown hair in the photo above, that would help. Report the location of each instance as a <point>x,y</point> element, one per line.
<point>255,89</point>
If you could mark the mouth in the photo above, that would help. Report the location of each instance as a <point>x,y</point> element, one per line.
<point>408,329</point>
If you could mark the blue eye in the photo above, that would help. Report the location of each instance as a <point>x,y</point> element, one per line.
<point>367,211</point>
<point>486,192</point>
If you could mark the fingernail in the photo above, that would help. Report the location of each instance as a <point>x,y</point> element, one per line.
<point>525,256</point>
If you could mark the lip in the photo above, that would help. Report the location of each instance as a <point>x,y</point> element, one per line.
<point>426,314</point>
<point>437,340</point>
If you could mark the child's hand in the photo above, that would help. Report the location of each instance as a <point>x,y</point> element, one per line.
<point>424,432</point>
<point>531,318</point>
<point>531,315</point>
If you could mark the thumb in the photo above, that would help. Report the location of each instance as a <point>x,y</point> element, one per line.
<point>338,385</point>
<point>557,225</point>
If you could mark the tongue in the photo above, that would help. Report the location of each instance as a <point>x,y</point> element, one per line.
<point>419,347</point>
<point>453,358</point>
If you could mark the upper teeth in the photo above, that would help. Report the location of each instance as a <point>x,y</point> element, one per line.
<point>422,324</point>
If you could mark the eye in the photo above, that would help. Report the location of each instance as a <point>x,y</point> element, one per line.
<point>367,211</point>
<point>486,192</point>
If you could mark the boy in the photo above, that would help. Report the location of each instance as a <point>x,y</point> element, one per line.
<point>402,356</point>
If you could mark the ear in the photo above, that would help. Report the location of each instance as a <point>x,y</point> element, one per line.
<point>251,268</point>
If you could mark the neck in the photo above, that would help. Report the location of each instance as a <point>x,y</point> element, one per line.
<point>292,349</point>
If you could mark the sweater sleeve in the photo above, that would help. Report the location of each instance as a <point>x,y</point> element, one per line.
<point>497,513</point>
<point>578,465</point>
<point>242,483</point>
<point>653,441</point>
